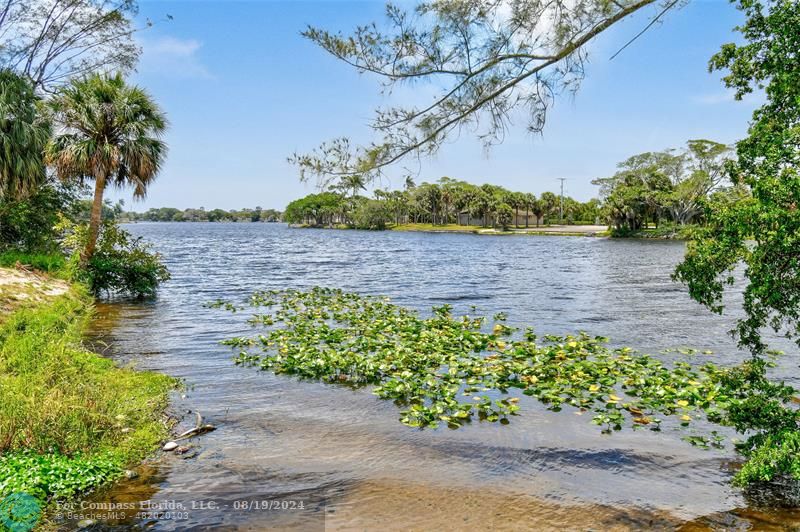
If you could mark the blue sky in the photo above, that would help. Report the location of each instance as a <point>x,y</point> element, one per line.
<point>243,90</point>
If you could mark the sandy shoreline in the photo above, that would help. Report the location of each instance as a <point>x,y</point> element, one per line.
<point>19,286</point>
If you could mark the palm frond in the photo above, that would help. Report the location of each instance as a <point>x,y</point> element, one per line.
<point>108,128</point>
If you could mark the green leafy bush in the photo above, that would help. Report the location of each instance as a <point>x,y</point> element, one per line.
<point>121,263</point>
<point>776,455</point>
<point>762,409</point>
<point>663,231</point>
<point>371,214</point>
<point>622,232</point>
<point>27,224</point>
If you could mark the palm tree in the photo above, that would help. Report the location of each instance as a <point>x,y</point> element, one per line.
<point>538,208</point>
<point>429,197</point>
<point>529,200</point>
<point>550,202</point>
<point>447,191</point>
<point>516,200</point>
<point>463,200</point>
<point>23,136</point>
<point>480,205</point>
<point>352,183</point>
<point>109,132</point>
<point>491,201</point>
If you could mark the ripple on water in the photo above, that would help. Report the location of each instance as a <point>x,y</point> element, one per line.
<point>344,450</point>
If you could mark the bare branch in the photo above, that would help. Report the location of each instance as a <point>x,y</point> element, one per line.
<point>51,40</point>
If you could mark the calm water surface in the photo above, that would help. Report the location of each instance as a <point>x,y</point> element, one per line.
<point>343,455</point>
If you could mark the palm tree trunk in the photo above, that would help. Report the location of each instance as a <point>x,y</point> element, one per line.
<point>95,219</point>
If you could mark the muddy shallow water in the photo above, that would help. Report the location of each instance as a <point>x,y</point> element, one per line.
<point>303,455</point>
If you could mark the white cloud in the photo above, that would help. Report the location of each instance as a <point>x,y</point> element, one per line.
<point>722,97</point>
<point>713,98</point>
<point>175,47</point>
<point>173,57</point>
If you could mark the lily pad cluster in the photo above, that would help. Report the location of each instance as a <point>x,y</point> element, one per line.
<point>447,369</point>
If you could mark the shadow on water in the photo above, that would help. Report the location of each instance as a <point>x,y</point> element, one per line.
<point>343,453</point>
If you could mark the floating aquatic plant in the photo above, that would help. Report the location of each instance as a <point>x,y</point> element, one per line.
<point>452,369</point>
<point>447,369</point>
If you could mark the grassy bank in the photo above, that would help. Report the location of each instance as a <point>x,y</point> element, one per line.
<point>52,263</point>
<point>70,419</point>
<point>664,232</point>
<point>444,228</point>
<point>559,230</point>
<point>556,230</point>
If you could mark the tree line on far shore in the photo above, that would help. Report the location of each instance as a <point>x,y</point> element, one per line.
<point>653,189</point>
<point>446,201</point>
<point>171,214</point>
<point>665,190</point>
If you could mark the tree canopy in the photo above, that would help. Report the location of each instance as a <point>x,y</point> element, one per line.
<point>762,232</point>
<point>670,184</point>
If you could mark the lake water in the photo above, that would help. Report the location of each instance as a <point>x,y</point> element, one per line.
<point>308,456</point>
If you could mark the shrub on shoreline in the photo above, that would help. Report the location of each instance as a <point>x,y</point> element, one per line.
<point>120,264</point>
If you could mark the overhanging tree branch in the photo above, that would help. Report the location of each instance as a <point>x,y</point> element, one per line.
<point>491,57</point>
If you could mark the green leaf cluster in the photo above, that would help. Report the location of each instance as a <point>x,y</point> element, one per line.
<point>121,263</point>
<point>762,231</point>
<point>55,476</point>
